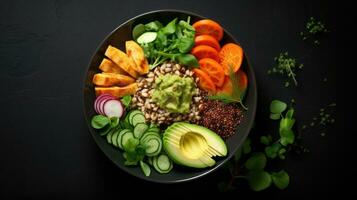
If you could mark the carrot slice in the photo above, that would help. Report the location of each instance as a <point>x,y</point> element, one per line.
<point>205,82</point>
<point>208,27</point>
<point>204,51</point>
<point>213,69</point>
<point>231,56</point>
<point>207,40</point>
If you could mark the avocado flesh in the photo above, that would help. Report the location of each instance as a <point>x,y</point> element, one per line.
<point>192,145</point>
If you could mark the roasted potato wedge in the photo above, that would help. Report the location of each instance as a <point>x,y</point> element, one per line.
<point>111,79</point>
<point>117,91</point>
<point>122,60</point>
<point>134,51</point>
<point>109,66</point>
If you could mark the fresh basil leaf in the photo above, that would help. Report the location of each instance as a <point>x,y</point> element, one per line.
<point>188,60</point>
<point>170,28</point>
<point>280,179</point>
<point>138,30</point>
<point>256,162</point>
<point>259,180</point>
<point>277,106</point>
<point>100,121</point>
<point>185,44</point>
<point>145,168</point>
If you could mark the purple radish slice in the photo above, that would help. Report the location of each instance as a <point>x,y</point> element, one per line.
<point>113,108</point>
<point>101,105</point>
<point>99,98</point>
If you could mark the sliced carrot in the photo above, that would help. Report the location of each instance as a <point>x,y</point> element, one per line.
<point>213,69</point>
<point>226,87</point>
<point>204,51</point>
<point>208,27</point>
<point>207,40</point>
<point>231,56</point>
<point>205,82</point>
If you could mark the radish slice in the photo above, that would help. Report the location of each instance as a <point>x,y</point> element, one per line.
<point>99,99</point>
<point>101,105</point>
<point>113,108</point>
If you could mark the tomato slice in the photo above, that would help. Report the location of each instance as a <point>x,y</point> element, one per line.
<point>204,51</point>
<point>231,56</point>
<point>213,69</point>
<point>205,82</point>
<point>207,40</point>
<point>208,27</point>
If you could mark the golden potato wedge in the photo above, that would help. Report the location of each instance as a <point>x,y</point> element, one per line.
<point>134,51</point>
<point>110,67</point>
<point>117,91</point>
<point>122,60</point>
<point>111,79</point>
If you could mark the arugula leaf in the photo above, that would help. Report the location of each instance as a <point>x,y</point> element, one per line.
<point>153,26</point>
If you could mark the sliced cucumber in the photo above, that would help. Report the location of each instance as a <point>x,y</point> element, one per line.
<point>138,119</point>
<point>138,30</point>
<point>114,138</point>
<point>120,136</point>
<point>162,164</point>
<point>131,115</point>
<point>154,129</point>
<point>149,134</point>
<point>153,146</point>
<point>147,37</point>
<point>140,129</point>
<point>109,137</point>
<point>126,136</point>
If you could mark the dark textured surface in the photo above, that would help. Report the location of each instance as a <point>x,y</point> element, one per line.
<point>45,46</point>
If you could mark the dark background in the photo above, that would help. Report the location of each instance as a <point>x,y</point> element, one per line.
<point>45,46</point>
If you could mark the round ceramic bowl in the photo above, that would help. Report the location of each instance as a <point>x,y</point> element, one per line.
<point>117,38</point>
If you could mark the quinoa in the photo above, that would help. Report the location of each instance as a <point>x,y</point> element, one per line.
<point>152,112</point>
<point>220,118</point>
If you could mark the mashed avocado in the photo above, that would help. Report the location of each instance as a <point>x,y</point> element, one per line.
<point>173,93</point>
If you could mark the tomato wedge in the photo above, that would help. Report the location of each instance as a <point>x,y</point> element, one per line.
<point>231,56</point>
<point>208,27</point>
<point>207,40</point>
<point>204,51</point>
<point>205,82</point>
<point>213,69</point>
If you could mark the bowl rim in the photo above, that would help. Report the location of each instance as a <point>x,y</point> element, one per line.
<point>218,165</point>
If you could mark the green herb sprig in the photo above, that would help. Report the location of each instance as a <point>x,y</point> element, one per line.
<point>313,29</point>
<point>286,66</point>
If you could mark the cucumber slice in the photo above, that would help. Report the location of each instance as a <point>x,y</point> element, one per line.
<point>140,129</point>
<point>120,136</point>
<point>138,30</point>
<point>109,137</point>
<point>126,136</point>
<point>154,129</point>
<point>138,119</point>
<point>149,134</point>
<point>153,146</point>
<point>147,37</point>
<point>114,138</point>
<point>131,115</point>
<point>162,164</point>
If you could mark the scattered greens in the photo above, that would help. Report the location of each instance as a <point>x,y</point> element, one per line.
<point>250,165</point>
<point>126,100</point>
<point>313,29</point>
<point>237,93</point>
<point>286,66</point>
<point>171,42</point>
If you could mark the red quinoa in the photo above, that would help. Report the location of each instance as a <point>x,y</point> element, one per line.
<point>219,117</point>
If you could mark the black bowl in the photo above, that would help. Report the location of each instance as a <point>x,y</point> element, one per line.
<point>117,38</point>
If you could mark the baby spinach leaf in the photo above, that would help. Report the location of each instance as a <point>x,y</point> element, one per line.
<point>145,168</point>
<point>153,26</point>
<point>185,44</point>
<point>188,60</point>
<point>114,121</point>
<point>170,28</point>
<point>126,100</point>
<point>100,121</point>
<point>138,30</point>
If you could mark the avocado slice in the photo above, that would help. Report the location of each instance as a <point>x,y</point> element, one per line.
<point>192,145</point>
